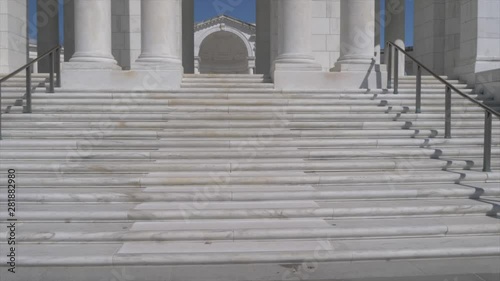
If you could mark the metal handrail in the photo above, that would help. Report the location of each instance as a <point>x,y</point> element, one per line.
<point>54,55</point>
<point>489,112</point>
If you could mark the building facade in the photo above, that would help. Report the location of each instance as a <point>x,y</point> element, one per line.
<point>329,42</point>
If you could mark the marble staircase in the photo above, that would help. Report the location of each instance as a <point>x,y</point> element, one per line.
<point>230,179</point>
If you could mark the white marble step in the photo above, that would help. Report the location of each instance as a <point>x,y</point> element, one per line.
<point>262,116</point>
<point>190,80</point>
<point>384,164</point>
<point>175,211</point>
<point>263,229</point>
<point>484,268</point>
<point>412,80</point>
<point>239,133</point>
<point>249,152</point>
<point>45,144</point>
<point>426,94</point>
<point>360,108</point>
<point>228,85</point>
<point>166,179</point>
<point>432,85</point>
<point>182,103</point>
<point>231,124</point>
<point>211,75</point>
<point>339,193</point>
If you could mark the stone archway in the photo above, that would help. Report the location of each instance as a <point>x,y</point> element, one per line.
<point>223,52</point>
<point>224,45</point>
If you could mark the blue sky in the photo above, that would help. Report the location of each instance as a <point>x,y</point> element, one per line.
<point>241,9</point>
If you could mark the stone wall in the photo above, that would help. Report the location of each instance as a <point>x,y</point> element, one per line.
<point>430,33</point>
<point>452,37</point>
<point>488,84</point>
<point>326,32</point>
<point>126,26</point>
<point>479,39</point>
<point>13,35</point>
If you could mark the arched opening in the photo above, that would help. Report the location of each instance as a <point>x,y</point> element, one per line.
<point>223,52</point>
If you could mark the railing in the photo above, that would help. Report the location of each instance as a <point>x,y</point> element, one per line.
<point>489,112</point>
<point>54,55</point>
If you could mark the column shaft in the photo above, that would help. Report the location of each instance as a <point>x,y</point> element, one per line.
<point>160,33</point>
<point>357,35</point>
<point>295,52</point>
<point>93,33</point>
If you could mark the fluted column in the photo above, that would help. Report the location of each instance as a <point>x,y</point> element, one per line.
<point>93,35</point>
<point>357,35</point>
<point>395,28</point>
<point>159,34</point>
<point>294,49</point>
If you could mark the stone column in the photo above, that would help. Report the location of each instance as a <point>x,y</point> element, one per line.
<point>13,35</point>
<point>188,35</point>
<point>395,28</point>
<point>357,38</point>
<point>159,34</point>
<point>263,42</point>
<point>93,35</point>
<point>48,30</point>
<point>294,50</point>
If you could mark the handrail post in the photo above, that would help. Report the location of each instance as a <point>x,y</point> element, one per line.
<point>447,122</point>
<point>488,119</point>
<point>389,66</point>
<point>27,109</point>
<point>51,70</point>
<point>58,67</point>
<point>396,70</point>
<point>419,91</point>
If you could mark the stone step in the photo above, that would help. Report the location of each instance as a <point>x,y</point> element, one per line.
<point>423,269</point>
<point>406,95</point>
<point>172,211</point>
<point>424,77</point>
<point>412,81</point>
<point>237,102</point>
<point>215,76</point>
<point>249,152</point>
<point>382,164</point>
<point>228,85</point>
<point>431,85</point>
<point>166,179</point>
<point>360,108</point>
<point>337,193</point>
<point>259,134</point>
<point>231,124</point>
<point>254,230</point>
<point>174,116</point>
<point>191,80</point>
<point>85,144</point>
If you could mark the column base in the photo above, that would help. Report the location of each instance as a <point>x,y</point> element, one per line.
<point>354,65</point>
<point>296,62</point>
<point>157,63</point>
<point>91,65</point>
<point>112,81</point>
